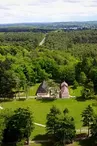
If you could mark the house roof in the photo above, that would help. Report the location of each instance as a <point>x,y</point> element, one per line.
<point>42,88</point>
<point>64,84</point>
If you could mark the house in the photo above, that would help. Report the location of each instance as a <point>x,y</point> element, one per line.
<point>64,91</point>
<point>42,91</point>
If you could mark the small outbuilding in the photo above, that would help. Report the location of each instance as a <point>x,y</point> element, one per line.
<point>64,91</point>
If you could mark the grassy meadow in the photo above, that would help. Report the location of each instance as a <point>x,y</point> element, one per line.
<point>40,108</point>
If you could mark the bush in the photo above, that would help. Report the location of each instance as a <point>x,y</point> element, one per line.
<point>75,85</point>
<point>20,143</point>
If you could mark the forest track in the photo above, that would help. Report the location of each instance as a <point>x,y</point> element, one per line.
<point>42,42</point>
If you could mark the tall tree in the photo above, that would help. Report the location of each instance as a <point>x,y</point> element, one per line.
<point>52,119</point>
<point>94,128</point>
<point>65,131</point>
<point>19,126</point>
<point>4,116</point>
<point>87,117</point>
<point>60,126</point>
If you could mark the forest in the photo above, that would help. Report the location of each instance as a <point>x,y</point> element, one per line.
<point>65,55</point>
<point>69,56</point>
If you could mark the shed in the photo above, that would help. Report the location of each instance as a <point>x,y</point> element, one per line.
<point>64,91</point>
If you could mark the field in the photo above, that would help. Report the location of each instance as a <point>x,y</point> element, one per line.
<point>40,108</point>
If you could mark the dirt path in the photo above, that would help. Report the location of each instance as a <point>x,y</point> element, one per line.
<point>41,125</point>
<point>42,42</point>
<point>1,107</point>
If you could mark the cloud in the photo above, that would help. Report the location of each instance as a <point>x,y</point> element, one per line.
<point>4,7</point>
<point>12,11</point>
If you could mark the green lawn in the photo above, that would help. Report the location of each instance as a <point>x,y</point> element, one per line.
<point>38,131</point>
<point>75,92</point>
<point>33,89</point>
<point>34,144</point>
<point>41,108</point>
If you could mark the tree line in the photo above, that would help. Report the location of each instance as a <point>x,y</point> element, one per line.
<point>64,40</point>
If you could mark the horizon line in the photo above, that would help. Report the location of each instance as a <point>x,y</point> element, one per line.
<point>48,22</point>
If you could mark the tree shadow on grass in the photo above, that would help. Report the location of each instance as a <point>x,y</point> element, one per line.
<point>8,144</point>
<point>6,100</point>
<point>79,98</point>
<point>94,104</point>
<point>42,139</point>
<point>87,142</point>
<point>46,144</point>
<point>21,99</point>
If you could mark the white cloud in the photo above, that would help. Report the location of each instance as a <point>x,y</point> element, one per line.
<point>12,11</point>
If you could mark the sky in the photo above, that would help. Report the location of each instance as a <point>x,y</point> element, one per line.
<point>18,11</point>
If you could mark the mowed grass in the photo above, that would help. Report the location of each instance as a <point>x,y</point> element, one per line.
<point>37,131</point>
<point>75,92</point>
<point>34,144</point>
<point>32,91</point>
<point>40,108</point>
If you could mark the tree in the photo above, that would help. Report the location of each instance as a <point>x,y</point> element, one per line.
<point>19,126</point>
<point>86,94</point>
<point>82,78</point>
<point>65,111</point>
<point>60,127</point>
<point>7,81</point>
<point>88,91</point>
<point>94,128</point>
<point>65,131</point>
<point>4,116</point>
<point>51,123</point>
<point>75,84</point>
<point>87,117</point>
<point>2,126</point>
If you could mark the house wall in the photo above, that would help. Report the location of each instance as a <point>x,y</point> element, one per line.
<point>43,95</point>
<point>64,93</point>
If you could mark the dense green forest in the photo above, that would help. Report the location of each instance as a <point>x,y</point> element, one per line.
<point>69,56</point>
<point>62,55</point>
